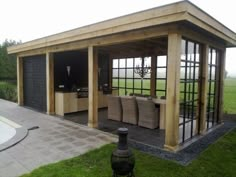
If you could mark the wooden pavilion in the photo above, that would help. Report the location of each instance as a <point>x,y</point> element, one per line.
<point>192,42</point>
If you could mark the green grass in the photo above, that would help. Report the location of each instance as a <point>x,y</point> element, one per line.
<point>8,91</point>
<point>219,160</point>
<point>230,96</point>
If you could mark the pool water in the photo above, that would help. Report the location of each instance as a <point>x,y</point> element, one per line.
<point>7,129</point>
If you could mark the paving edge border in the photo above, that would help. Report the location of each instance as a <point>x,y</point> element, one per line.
<point>21,134</point>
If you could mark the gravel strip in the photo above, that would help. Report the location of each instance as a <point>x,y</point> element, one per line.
<point>189,153</point>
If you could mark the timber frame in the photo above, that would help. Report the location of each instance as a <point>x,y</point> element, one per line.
<point>174,22</point>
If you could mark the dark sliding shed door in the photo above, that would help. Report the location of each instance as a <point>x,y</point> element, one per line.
<point>34,80</point>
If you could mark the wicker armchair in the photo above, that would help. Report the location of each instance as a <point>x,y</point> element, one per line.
<point>148,113</point>
<point>130,110</point>
<point>114,108</point>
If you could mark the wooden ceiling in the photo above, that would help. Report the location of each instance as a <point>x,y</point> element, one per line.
<point>147,47</point>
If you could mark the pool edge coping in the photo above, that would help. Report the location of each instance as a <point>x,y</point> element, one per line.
<point>21,134</point>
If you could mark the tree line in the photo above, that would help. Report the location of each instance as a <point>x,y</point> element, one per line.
<point>7,62</point>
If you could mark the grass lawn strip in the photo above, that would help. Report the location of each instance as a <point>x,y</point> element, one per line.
<point>219,160</point>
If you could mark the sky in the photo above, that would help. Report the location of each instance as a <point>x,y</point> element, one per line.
<point>27,20</point>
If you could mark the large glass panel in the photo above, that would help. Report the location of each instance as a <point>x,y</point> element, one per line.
<point>183,46</point>
<point>123,70</point>
<point>146,83</point>
<point>147,61</point>
<point>160,94</point>
<point>121,92</point>
<point>136,75</point>
<point>213,57</point>
<point>146,92</point>
<point>137,91</point>
<point>122,63</point>
<point>182,72</point>
<point>115,82</point>
<point>115,63</point>
<point>121,82</point>
<point>129,83</point>
<point>197,53</point>
<point>115,73</point>
<point>148,75</point>
<point>161,73</point>
<point>130,62</point>
<point>137,62</point>
<point>137,83</point>
<point>161,61</point>
<point>189,72</point>
<point>160,84</point>
<point>190,50</point>
<point>129,91</point>
<point>129,73</point>
<point>122,73</point>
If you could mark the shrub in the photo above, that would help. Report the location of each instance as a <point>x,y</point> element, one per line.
<point>8,91</point>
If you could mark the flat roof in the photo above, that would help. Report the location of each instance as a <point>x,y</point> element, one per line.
<point>171,13</point>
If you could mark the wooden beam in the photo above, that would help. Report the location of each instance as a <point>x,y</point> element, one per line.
<point>200,37</point>
<point>216,32</point>
<point>50,83</point>
<point>173,91</point>
<point>93,87</point>
<point>20,81</point>
<point>221,85</point>
<point>203,89</point>
<point>129,36</point>
<point>137,21</point>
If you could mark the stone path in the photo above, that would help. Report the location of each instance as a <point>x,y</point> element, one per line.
<point>55,140</point>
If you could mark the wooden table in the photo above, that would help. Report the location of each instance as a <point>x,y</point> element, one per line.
<point>162,104</point>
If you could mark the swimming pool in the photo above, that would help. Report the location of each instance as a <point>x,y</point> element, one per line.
<point>7,129</point>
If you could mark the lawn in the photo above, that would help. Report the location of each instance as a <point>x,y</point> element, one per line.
<point>230,96</point>
<point>219,160</point>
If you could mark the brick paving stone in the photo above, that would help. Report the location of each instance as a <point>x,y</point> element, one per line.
<point>56,139</point>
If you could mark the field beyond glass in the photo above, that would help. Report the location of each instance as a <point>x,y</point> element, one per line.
<point>230,96</point>
<point>229,90</point>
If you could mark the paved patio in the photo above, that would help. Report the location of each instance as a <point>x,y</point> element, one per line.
<point>152,137</point>
<point>55,140</point>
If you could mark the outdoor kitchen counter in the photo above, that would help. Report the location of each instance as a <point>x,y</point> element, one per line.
<point>68,102</point>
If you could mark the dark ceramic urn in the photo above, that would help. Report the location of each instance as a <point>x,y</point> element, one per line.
<point>122,158</point>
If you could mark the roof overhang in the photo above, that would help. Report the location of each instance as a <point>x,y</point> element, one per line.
<point>172,13</point>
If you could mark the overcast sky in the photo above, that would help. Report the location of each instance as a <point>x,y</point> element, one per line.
<point>26,20</point>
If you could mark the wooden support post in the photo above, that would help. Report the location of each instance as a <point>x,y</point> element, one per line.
<point>50,83</point>
<point>110,71</point>
<point>93,87</point>
<point>203,89</point>
<point>20,81</point>
<point>172,97</point>
<point>221,85</point>
<point>153,75</point>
